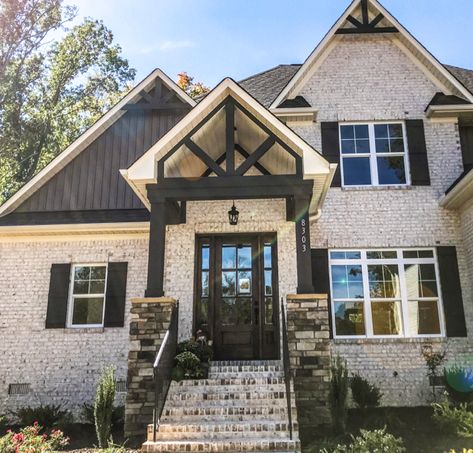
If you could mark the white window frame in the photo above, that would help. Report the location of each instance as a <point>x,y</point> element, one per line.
<point>372,155</point>
<point>70,302</point>
<point>400,261</point>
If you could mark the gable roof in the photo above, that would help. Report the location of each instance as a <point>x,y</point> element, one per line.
<point>266,86</point>
<point>405,40</point>
<point>85,139</point>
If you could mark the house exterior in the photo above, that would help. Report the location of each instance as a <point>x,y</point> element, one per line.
<point>352,176</point>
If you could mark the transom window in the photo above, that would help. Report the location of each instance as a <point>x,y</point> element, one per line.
<point>385,293</point>
<point>373,154</point>
<point>87,295</point>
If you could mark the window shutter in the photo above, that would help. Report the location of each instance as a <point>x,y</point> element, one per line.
<point>116,295</point>
<point>331,148</point>
<point>58,296</point>
<point>320,277</point>
<point>451,292</point>
<point>466,140</point>
<point>418,160</point>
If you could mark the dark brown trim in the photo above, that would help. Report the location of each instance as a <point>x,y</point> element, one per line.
<point>246,154</point>
<point>255,156</point>
<point>230,137</point>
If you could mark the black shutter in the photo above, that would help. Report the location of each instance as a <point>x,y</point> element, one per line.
<point>331,148</point>
<point>115,295</point>
<point>320,277</point>
<point>466,140</point>
<point>418,160</point>
<point>451,292</point>
<point>58,296</point>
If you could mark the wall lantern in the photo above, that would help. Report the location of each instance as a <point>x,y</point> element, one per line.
<point>233,215</point>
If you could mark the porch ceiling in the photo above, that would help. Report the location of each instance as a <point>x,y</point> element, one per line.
<point>206,127</point>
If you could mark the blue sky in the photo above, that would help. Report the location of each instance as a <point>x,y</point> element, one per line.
<point>212,39</point>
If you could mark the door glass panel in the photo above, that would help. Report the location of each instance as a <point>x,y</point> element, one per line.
<point>205,284</point>
<point>229,257</point>
<point>244,282</point>
<point>268,310</point>
<point>267,256</point>
<point>227,310</point>
<point>228,283</point>
<point>268,283</point>
<point>205,257</point>
<point>244,257</point>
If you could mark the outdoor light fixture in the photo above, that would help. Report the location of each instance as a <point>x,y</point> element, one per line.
<point>233,215</point>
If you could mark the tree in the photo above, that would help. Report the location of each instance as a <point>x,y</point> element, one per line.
<point>193,89</point>
<point>51,90</point>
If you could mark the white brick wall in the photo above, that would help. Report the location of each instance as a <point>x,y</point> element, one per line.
<point>370,78</point>
<point>62,365</point>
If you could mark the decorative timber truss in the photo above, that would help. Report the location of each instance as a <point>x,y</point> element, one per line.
<point>366,25</point>
<point>229,155</point>
<point>158,98</point>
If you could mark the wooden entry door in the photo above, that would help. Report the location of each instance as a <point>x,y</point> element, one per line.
<point>237,298</point>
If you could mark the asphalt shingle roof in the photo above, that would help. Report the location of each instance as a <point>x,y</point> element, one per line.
<point>266,85</point>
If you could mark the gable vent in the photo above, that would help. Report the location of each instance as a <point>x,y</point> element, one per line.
<point>19,389</point>
<point>121,386</point>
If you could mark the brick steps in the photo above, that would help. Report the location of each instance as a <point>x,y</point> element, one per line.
<point>241,407</point>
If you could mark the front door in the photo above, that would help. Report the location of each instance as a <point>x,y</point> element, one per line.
<point>236,301</point>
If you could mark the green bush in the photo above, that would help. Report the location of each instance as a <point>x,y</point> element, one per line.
<point>202,351</point>
<point>377,441</point>
<point>189,366</point>
<point>29,439</point>
<point>338,395</point>
<point>458,420</point>
<point>3,424</point>
<point>103,407</point>
<point>364,394</point>
<point>49,416</point>
<point>118,415</point>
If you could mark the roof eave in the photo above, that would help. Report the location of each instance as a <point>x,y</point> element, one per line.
<point>449,111</point>
<point>460,194</point>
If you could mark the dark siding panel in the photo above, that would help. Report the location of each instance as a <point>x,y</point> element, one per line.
<point>451,292</point>
<point>58,295</point>
<point>466,139</point>
<point>92,180</point>
<point>320,277</point>
<point>331,148</point>
<point>418,160</point>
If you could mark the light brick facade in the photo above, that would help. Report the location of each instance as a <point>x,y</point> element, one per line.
<point>363,78</point>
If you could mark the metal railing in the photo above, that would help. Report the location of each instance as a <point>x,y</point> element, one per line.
<point>286,365</point>
<point>162,368</point>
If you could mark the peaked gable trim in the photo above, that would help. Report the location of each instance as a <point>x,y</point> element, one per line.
<point>85,139</point>
<point>330,39</point>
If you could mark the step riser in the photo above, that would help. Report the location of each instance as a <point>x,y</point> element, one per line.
<point>209,396</point>
<point>235,381</point>
<point>260,446</point>
<point>218,436</point>
<point>224,412</point>
<point>245,369</point>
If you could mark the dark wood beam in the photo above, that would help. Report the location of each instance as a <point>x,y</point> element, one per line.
<point>219,160</point>
<point>377,20</point>
<point>353,31</point>
<point>354,21</point>
<point>230,137</point>
<point>256,155</point>
<point>364,11</point>
<point>303,254</point>
<point>246,154</point>
<point>158,86</point>
<point>147,96</point>
<point>204,157</point>
<point>230,187</point>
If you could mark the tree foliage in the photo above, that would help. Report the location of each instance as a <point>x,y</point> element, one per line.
<point>193,89</point>
<point>54,83</point>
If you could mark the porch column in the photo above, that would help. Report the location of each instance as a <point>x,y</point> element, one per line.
<point>304,263</point>
<point>157,243</point>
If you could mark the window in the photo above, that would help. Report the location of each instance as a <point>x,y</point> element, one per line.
<point>385,293</point>
<point>87,298</point>
<point>373,154</point>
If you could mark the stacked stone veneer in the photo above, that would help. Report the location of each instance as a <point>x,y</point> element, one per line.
<point>150,319</point>
<point>309,352</point>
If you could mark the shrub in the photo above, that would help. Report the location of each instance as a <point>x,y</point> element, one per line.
<point>118,415</point>
<point>338,395</point>
<point>103,407</point>
<point>188,366</point>
<point>3,424</point>
<point>49,416</point>
<point>364,394</point>
<point>29,440</point>
<point>377,441</point>
<point>201,350</point>
<point>458,420</point>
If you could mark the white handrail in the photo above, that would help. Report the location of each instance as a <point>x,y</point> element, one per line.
<point>161,349</point>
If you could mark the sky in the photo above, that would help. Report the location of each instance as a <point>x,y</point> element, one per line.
<point>213,39</point>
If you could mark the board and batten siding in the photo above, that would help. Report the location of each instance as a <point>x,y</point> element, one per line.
<point>92,181</point>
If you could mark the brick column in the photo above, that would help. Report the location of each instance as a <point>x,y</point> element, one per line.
<point>309,352</point>
<point>150,318</point>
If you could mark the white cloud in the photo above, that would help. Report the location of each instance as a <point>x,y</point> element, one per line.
<point>166,46</point>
